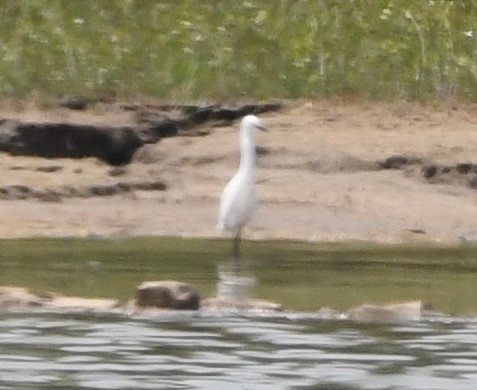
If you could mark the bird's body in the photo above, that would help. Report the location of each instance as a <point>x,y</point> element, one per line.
<point>239,197</point>
<point>237,202</point>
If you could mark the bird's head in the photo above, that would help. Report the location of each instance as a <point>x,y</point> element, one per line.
<point>253,122</point>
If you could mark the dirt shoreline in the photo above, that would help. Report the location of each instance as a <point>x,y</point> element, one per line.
<point>321,178</point>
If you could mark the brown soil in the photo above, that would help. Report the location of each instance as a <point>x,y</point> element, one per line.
<point>319,178</point>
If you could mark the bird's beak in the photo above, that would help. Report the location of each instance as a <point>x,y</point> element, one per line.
<point>261,127</point>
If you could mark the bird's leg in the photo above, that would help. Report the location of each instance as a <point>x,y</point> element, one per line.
<point>236,253</point>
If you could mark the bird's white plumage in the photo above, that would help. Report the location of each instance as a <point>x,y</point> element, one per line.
<point>237,202</point>
<point>239,197</point>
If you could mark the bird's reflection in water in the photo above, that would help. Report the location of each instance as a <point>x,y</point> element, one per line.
<point>232,285</point>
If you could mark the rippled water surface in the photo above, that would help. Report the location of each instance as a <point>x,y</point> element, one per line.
<point>198,351</point>
<point>297,349</point>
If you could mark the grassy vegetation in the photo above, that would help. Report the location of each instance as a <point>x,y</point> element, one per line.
<point>220,49</point>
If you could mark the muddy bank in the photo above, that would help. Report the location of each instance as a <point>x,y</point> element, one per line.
<point>327,172</point>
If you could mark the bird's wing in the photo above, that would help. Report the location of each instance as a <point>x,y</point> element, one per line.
<point>227,203</point>
<point>237,203</point>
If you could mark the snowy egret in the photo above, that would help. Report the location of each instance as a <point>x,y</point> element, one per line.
<point>239,197</point>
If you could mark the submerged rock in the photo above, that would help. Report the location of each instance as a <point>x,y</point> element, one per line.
<point>398,312</point>
<point>167,295</point>
<point>160,297</point>
<point>20,298</point>
<point>82,304</point>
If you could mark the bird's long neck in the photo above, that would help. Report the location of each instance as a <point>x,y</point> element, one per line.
<point>247,150</point>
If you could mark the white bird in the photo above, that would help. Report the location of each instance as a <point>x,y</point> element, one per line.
<point>239,197</point>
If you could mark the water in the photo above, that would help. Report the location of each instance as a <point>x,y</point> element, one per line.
<point>297,349</point>
<point>200,351</point>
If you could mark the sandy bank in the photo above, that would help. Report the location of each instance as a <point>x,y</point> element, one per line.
<point>321,178</point>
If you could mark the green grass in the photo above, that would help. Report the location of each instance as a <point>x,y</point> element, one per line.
<point>219,49</point>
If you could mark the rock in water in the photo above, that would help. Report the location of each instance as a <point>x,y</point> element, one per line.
<point>167,295</point>
<point>398,312</point>
<point>20,298</point>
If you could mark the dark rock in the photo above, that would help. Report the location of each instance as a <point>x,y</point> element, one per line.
<point>267,107</point>
<point>226,114</point>
<point>151,186</point>
<point>17,168</point>
<point>429,171</point>
<point>262,151</point>
<point>257,109</point>
<point>21,189</point>
<point>124,187</point>
<point>50,169</point>
<point>154,125</point>
<point>167,295</point>
<point>201,114</point>
<point>120,146</point>
<point>56,194</point>
<point>16,192</point>
<point>464,168</point>
<point>218,111</point>
<point>117,171</point>
<point>472,180</point>
<point>4,193</point>
<point>103,190</point>
<point>447,169</point>
<point>70,191</point>
<point>113,145</point>
<point>163,128</point>
<point>50,196</point>
<point>417,231</point>
<point>75,102</point>
<point>231,114</point>
<point>393,162</point>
